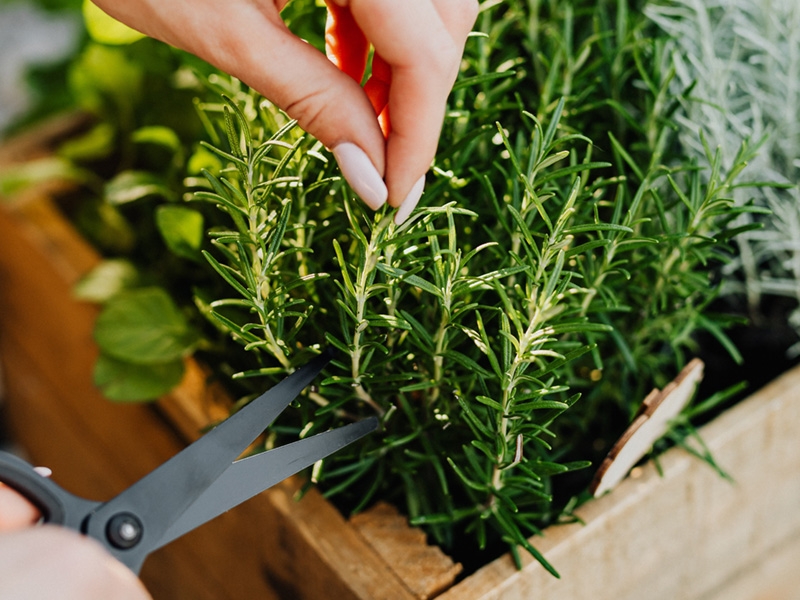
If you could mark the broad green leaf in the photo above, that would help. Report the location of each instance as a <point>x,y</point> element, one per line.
<point>96,143</point>
<point>106,280</point>
<point>144,327</point>
<point>158,134</point>
<point>105,80</point>
<point>106,29</point>
<point>129,186</point>
<point>16,178</point>
<point>203,160</point>
<point>126,382</point>
<point>182,229</point>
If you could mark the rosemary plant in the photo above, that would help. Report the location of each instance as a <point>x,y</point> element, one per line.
<point>456,359</point>
<point>560,266</point>
<point>465,330</point>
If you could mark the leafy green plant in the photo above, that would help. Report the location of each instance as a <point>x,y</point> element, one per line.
<point>467,330</point>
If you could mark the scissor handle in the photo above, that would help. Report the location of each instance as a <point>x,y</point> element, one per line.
<point>37,489</point>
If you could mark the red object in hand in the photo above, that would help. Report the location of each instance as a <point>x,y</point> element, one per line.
<point>348,48</point>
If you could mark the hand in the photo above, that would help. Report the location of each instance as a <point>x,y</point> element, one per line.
<point>419,44</point>
<point>54,562</point>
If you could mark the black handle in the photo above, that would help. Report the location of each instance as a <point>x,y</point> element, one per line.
<point>40,491</point>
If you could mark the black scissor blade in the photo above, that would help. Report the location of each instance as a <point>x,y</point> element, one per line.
<point>161,496</point>
<point>250,476</point>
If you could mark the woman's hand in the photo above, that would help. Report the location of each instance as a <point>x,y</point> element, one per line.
<point>54,562</point>
<point>419,44</point>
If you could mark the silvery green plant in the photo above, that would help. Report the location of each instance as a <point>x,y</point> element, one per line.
<point>742,58</point>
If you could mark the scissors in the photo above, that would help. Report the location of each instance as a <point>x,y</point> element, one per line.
<point>199,483</point>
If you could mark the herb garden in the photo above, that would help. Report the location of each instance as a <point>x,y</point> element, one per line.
<point>615,194</point>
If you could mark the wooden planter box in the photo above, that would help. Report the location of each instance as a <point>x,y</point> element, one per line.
<point>685,534</point>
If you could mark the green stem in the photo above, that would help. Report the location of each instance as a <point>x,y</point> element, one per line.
<point>362,295</point>
<point>261,293</point>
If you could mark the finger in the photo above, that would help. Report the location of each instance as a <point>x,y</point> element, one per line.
<point>424,62</point>
<point>326,102</point>
<point>250,41</point>
<point>54,562</point>
<point>15,511</point>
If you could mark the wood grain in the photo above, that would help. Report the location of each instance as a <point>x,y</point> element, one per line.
<point>424,568</point>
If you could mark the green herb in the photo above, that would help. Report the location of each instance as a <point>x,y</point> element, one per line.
<point>469,328</point>
<point>143,338</point>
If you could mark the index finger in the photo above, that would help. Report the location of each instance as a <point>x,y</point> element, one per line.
<point>422,42</point>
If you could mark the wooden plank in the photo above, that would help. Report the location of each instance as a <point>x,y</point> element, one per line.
<point>689,534</point>
<point>424,568</point>
<point>774,577</point>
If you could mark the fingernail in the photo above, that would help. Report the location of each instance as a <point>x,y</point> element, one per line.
<point>361,174</point>
<point>43,471</point>
<point>410,203</point>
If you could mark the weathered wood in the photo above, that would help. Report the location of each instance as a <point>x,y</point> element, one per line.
<point>424,568</point>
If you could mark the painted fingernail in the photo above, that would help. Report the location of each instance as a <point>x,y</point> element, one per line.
<point>410,202</point>
<point>43,471</point>
<point>361,174</point>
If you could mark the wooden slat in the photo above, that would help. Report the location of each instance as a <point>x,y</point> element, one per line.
<point>424,568</point>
